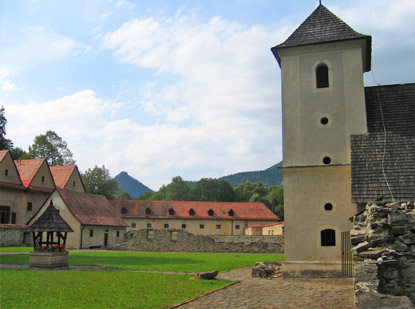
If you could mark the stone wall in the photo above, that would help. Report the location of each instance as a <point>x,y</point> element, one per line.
<point>383,237</point>
<point>176,240</point>
<point>13,235</point>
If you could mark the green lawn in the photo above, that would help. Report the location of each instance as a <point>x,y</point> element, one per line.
<point>97,289</point>
<point>162,261</point>
<point>16,249</point>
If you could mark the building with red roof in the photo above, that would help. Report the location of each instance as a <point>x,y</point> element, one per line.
<point>266,229</point>
<point>199,218</point>
<point>26,184</point>
<point>92,217</point>
<point>67,177</point>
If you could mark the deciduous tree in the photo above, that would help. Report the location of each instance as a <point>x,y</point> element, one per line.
<point>51,147</point>
<point>99,181</point>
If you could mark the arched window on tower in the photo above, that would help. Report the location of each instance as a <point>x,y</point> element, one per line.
<point>328,238</point>
<point>322,76</point>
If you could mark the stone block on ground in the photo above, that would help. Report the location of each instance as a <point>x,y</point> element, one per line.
<point>208,275</point>
<point>267,270</point>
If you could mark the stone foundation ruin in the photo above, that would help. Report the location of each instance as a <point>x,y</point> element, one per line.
<point>176,240</point>
<point>383,237</point>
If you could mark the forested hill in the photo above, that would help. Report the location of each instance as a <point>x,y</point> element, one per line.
<point>269,177</point>
<point>131,185</point>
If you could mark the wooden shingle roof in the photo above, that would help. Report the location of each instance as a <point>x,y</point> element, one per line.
<point>322,26</point>
<point>50,221</point>
<point>383,161</point>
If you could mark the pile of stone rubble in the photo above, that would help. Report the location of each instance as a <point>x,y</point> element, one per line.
<point>267,270</point>
<point>383,237</point>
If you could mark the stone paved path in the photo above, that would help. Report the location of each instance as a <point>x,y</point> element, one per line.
<point>278,293</point>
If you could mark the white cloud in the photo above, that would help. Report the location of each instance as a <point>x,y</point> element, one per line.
<point>222,108</point>
<point>37,44</point>
<point>6,86</point>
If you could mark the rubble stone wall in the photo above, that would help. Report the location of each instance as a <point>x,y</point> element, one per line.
<point>176,240</point>
<point>383,240</point>
<point>12,235</point>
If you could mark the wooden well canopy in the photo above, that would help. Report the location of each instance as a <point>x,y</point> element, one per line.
<point>51,223</point>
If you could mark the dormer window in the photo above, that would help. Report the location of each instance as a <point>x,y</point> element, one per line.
<point>171,211</point>
<point>191,212</point>
<point>148,211</point>
<point>210,212</point>
<point>231,213</point>
<point>322,76</point>
<point>124,210</point>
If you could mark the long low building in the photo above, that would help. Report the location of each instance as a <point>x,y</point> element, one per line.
<point>199,218</point>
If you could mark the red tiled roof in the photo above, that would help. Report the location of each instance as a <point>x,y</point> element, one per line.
<point>221,210</point>
<point>28,169</point>
<point>91,209</point>
<point>61,174</point>
<point>2,154</point>
<point>266,225</point>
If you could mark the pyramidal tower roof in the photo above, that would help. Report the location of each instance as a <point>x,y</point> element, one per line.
<point>322,26</point>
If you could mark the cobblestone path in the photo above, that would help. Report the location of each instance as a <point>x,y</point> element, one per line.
<point>278,293</point>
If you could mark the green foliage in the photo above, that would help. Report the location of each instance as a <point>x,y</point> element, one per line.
<point>269,177</point>
<point>145,196</point>
<point>18,153</point>
<point>124,196</point>
<point>5,143</point>
<point>272,197</point>
<point>177,190</point>
<point>212,190</point>
<point>98,289</point>
<point>131,185</point>
<point>99,181</point>
<point>51,147</point>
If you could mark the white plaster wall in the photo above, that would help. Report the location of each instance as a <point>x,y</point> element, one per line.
<point>305,140</point>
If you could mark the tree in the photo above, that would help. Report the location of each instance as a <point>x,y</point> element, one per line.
<point>124,196</point>
<point>5,143</point>
<point>19,154</point>
<point>212,190</point>
<point>99,181</point>
<point>177,190</point>
<point>51,147</point>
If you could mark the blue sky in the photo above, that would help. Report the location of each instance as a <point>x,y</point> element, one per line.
<point>165,88</point>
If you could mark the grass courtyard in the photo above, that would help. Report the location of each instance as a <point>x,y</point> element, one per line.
<point>106,288</point>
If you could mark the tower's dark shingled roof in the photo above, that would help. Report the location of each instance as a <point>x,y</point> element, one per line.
<point>50,221</point>
<point>395,104</point>
<point>323,26</point>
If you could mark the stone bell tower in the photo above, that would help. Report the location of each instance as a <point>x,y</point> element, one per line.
<point>322,65</point>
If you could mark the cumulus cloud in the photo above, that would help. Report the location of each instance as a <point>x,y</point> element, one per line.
<point>6,86</point>
<point>223,106</point>
<point>37,44</point>
<point>392,27</point>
